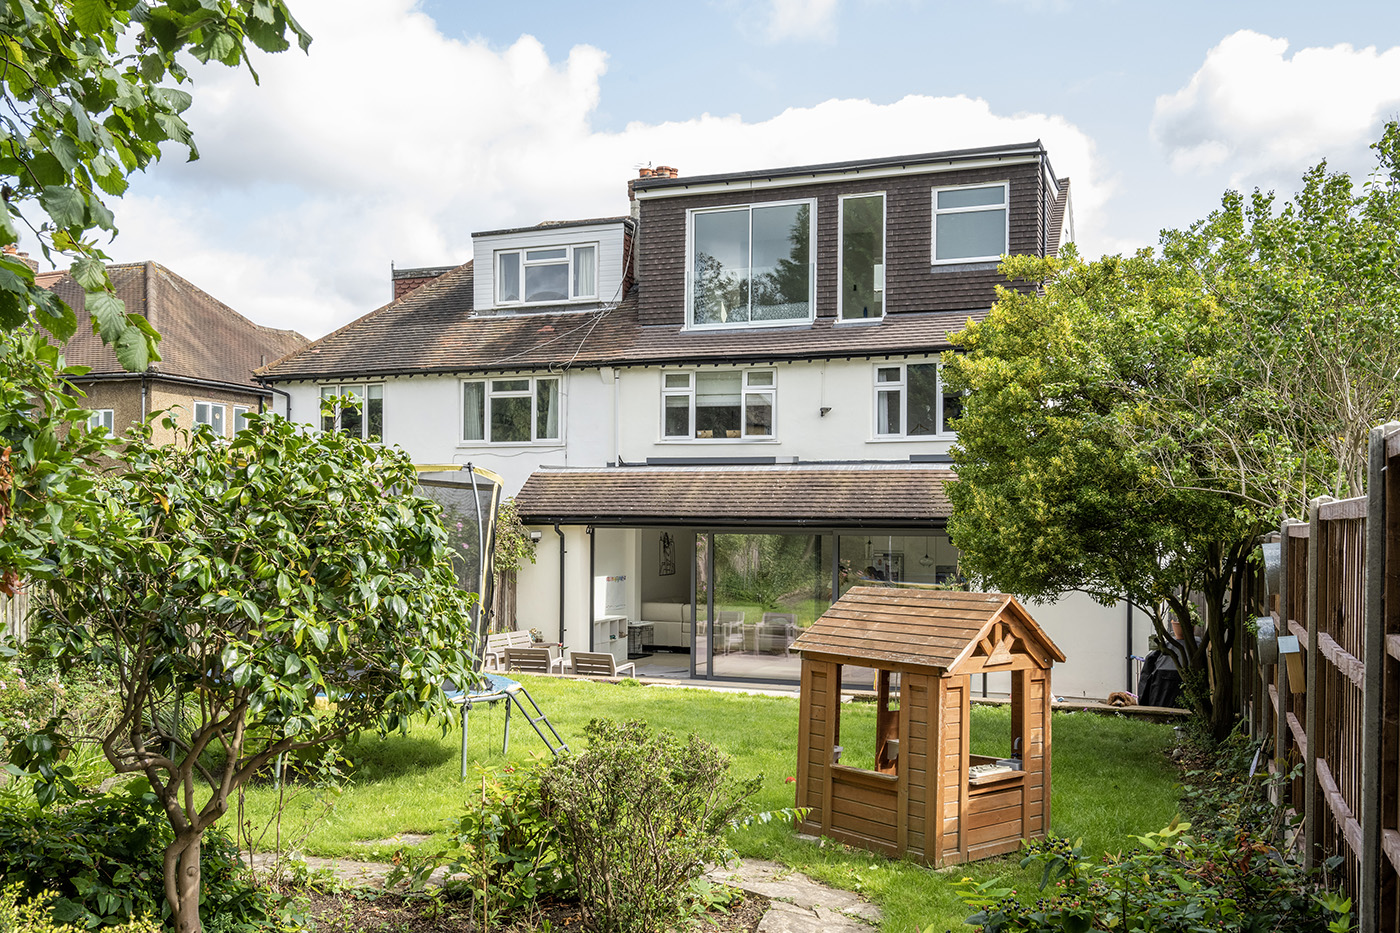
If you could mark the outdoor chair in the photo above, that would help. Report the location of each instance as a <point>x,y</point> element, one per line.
<point>533,661</point>
<point>600,664</point>
<point>493,658</point>
<point>776,631</point>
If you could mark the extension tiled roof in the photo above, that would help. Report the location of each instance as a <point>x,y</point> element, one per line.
<point>865,495</point>
<point>201,337</point>
<point>920,627</point>
<point>433,330</point>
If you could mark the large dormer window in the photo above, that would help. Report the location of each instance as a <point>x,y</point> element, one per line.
<point>549,275</point>
<point>750,265</point>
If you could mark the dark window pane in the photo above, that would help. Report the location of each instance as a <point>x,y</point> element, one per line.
<point>971,197</point>
<point>922,380</point>
<point>473,408</point>
<point>508,284</point>
<point>717,404</point>
<point>547,283</point>
<point>677,416</point>
<point>887,413</point>
<point>719,279</point>
<point>547,409</point>
<point>782,275</point>
<point>952,411</point>
<point>973,234</point>
<point>510,419</point>
<point>862,251</point>
<point>758,415</point>
<point>328,419</point>
<point>374,412</point>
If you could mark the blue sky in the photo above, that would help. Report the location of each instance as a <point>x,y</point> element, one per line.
<point>410,125</point>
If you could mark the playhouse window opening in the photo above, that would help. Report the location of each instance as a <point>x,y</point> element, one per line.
<point>872,740</point>
<point>995,743</point>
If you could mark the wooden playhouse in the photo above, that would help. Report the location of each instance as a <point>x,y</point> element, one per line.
<point>926,796</point>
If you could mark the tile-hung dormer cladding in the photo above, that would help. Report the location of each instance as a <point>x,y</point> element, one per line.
<point>884,237</point>
<point>579,265</point>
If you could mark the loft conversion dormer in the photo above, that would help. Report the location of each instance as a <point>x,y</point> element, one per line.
<point>577,265</point>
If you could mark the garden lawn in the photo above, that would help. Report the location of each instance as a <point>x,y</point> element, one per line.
<point>1111,777</point>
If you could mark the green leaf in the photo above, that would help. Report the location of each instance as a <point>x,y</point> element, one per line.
<point>65,206</point>
<point>108,314</point>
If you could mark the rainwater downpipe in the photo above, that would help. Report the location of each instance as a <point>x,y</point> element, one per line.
<point>617,423</point>
<point>560,532</point>
<point>592,571</point>
<point>1130,645</point>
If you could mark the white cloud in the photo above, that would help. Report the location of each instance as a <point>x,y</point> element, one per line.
<point>801,19</point>
<point>1255,111</point>
<point>391,142</point>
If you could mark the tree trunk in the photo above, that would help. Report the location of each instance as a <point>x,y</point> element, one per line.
<point>185,908</point>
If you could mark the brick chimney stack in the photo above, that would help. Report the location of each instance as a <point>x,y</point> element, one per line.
<point>12,252</point>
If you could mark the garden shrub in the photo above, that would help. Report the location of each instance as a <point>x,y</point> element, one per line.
<point>99,857</point>
<point>36,915</point>
<point>1230,869</point>
<point>639,815</point>
<point>503,850</point>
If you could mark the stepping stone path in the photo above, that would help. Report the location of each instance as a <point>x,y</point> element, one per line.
<point>798,904</point>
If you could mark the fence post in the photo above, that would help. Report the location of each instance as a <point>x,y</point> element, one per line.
<point>1282,739</point>
<point>1368,912</point>
<point>1312,797</point>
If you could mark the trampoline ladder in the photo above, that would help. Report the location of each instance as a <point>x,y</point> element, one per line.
<point>514,692</point>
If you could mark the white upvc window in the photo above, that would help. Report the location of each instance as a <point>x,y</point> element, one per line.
<point>512,410</point>
<point>861,269</point>
<point>722,404</point>
<point>547,274</point>
<point>971,223</point>
<point>212,414</point>
<point>751,264</point>
<point>102,421</point>
<point>362,415</point>
<point>240,418</point>
<point>910,401</point>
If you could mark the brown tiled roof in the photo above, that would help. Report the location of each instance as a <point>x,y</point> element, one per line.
<point>432,330</point>
<point>932,628</point>
<point>201,337</point>
<point>830,496</point>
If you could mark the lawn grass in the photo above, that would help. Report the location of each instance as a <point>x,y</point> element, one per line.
<point>1111,777</point>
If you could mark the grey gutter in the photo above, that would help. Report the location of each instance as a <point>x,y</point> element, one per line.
<point>249,387</point>
<point>917,160</point>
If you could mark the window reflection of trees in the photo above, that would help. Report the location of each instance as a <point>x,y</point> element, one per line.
<point>778,287</point>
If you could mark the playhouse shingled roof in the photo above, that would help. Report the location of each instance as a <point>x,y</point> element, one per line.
<point>916,627</point>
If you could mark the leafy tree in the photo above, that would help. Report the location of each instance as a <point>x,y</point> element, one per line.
<point>255,597</point>
<point>91,93</point>
<point>1135,422</point>
<point>1053,492</point>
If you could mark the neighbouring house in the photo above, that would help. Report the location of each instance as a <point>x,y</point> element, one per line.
<point>208,355</point>
<point>719,411</point>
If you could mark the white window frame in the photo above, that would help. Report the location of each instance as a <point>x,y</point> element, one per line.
<point>841,257</point>
<point>365,388</point>
<point>745,391</point>
<point>749,206</point>
<point>488,393</point>
<point>102,420</point>
<point>239,411</point>
<point>523,252</point>
<point>901,385</point>
<point>208,416</point>
<point>1005,208</point>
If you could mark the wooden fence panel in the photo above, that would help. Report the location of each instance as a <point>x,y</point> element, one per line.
<point>14,615</point>
<point>1339,593</point>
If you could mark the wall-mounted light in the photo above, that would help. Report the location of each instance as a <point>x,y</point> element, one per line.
<point>825,409</point>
